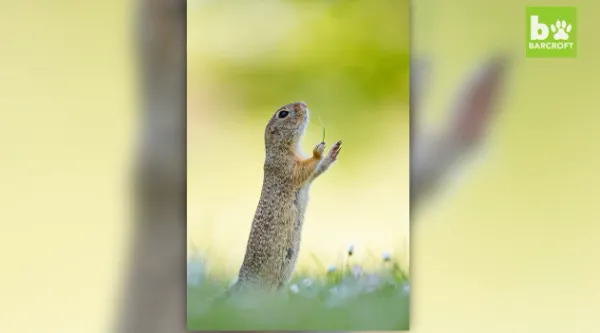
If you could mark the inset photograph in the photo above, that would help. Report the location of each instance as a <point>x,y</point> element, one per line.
<point>298,165</point>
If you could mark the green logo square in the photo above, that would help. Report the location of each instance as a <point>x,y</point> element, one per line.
<point>551,32</point>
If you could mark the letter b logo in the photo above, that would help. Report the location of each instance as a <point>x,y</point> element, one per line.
<point>539,31</point>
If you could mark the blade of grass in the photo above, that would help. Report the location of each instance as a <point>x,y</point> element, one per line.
<point>317,262</point>
<point>323,127</point>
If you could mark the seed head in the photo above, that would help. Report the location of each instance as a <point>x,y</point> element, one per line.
<point>350,249</point>
<point>386,256</point>
<point>294,288</point>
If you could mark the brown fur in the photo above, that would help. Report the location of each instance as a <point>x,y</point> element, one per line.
<point>274,240</point>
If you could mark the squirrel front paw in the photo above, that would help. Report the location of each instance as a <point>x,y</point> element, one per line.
<point>318,150</point>
<point>334,151</point>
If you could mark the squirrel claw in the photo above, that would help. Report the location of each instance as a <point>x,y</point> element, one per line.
<point>319,149</point>
<point>335,150</point>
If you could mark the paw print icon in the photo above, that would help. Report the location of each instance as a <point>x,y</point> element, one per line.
<point>561,30</point>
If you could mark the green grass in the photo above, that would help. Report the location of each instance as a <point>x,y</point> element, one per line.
<point>344,299</point>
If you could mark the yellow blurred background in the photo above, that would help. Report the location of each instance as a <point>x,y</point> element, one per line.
<point>349,62</point>
<point>514,248</point>
<point>66,130</point>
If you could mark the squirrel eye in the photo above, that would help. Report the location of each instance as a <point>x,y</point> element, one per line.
<point>283,114</point>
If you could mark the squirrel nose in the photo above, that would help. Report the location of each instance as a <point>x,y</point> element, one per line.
<point>299,106</point>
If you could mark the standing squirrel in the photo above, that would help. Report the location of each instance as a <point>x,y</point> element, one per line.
<point>274,240</point>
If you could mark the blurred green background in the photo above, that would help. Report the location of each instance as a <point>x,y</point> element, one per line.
<point>349,61</point>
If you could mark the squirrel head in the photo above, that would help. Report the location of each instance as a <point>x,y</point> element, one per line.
<point>287,125</point>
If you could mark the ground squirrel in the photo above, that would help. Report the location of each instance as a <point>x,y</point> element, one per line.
<point>274,240</point>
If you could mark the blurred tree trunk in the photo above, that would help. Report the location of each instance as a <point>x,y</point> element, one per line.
<point>154,294</point>
<point>154,297</point>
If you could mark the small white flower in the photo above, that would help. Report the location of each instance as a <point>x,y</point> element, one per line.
<point>350,249</point>
<point>406,287</point>
<point>331,269</point>
<point>386,256</point>
<point>294,288</point>
<point>356,271</point>
<point>307,282</point>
